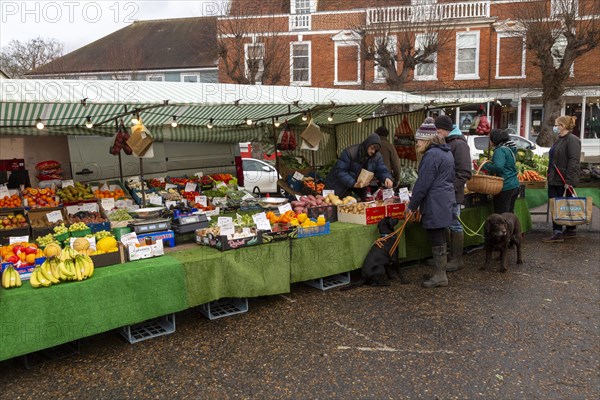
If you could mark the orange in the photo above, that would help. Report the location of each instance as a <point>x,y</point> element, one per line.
<point>30,259</point>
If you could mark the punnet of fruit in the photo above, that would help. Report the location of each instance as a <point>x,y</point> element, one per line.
<point>14,201</point>
<point>13,221</point>
<point>24,253</point>
<point>39,198</point>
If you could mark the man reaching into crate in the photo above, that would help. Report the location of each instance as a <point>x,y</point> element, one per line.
<point>343,177</point>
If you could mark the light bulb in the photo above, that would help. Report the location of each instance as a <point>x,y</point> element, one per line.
<point>174,122</point>
<point>135,120</point>
<point>39,124</point>
<point>88,123</point>
<point>330,118</point>
<point>276,123</point>
<point>304,117</point>
<point>248,121</point>
<point>210,124</point>
<point>359,119</point>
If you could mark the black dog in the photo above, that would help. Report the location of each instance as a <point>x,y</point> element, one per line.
<point>378,267</point>
<point>501,232</point>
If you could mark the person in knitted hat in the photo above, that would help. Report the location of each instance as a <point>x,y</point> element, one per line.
<point>343,176</point>
<point>427,128</point>
<point>389,154</point>
<point>462,170</point>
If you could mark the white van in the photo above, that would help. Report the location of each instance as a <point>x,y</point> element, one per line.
<point>478,144</point>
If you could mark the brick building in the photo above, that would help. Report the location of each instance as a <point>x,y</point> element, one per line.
<point>484,56</point>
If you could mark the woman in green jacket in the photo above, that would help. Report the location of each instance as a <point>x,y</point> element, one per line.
<point>504,164</point>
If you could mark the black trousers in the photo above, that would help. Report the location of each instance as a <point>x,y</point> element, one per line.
<point>558,191</point>
<point>436,236</point>
<point>505,201</point>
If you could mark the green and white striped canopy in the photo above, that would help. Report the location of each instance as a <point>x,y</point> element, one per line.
<point>64,106</point>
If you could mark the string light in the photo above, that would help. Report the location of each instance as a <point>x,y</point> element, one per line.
<point>136,118</point>
<point>39,124</point>
<point>174,122</point>
<point>359,119</point>
<point>248,121</point>
<point>276,123</point>
<point>88,123</point>
<point>210,124</point>
<point>330,118</point>
<point>304,116</point>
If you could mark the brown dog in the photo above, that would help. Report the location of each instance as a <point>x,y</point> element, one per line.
<point>501,231</point>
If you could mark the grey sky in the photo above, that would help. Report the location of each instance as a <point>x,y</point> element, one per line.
<point>77,23</point>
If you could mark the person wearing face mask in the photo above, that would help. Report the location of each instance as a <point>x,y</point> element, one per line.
<point>343,176</point>
<point>504,165</point>
<point>433,194</point>
<point>565,155</point>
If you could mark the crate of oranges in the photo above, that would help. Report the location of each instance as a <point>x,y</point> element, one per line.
<point>39,198</point>
<point>110,189</point>
<point>11,202</point>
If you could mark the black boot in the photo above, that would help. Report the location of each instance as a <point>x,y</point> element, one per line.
<point>430,261</point>
<point>456,252</point>
<point>439,272</point>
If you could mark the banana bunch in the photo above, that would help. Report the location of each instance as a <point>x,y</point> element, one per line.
<point>68,253</point>
<point>10,278</point>
<point>54,270</point>
<point>43,275</point>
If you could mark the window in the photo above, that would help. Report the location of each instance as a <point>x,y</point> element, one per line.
<point>427,71</point>
<point>467,55</point>
<point>300,63</point>
<point>249,165</point>
<point>560,7</point>
<point>558,52</point>
<point>254,55</point>
<point>381,73</point>
<point>191,78</point>
<point>88,78</point>
<point>123,77</point>
<point>508,48</point>
<point>155,77</point>
<point>302,6</point>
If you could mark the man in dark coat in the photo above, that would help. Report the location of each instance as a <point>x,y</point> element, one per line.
<point>342,177</point>
<point>433,195</point>
<point>462,169</point>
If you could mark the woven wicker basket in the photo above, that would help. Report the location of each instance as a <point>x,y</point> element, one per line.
<point>485,184</point>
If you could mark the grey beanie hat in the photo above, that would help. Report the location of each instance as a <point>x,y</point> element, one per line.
<point>427,129</point>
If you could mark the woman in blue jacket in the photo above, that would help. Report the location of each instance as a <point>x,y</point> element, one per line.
<point>342,177</point>
<point>433,195</point>
<point>504,164</point>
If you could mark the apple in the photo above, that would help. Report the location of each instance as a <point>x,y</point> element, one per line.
<point>18,248</point>
<point>12,259</point>
<point>30,250</point>
<point>5,221</point>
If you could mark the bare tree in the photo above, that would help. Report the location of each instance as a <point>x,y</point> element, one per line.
<point>398,48</point>
<point>251,51</point>
<point>557,36</point>
<point>19,57</point>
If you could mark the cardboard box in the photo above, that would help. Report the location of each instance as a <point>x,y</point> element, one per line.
<point>106,259</point>
<point>372,215</point>
<point>395,210</point>
<point>6,234</point>
<point>39,213</point>
<point>223,243</point>
<point>139,253</point>
<point>90,207</point>
<point>281,232</point>
<point>24,271</point>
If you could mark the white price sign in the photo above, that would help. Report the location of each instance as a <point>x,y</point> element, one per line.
<point>387,193</point>
<point>90,207</point>
<point>190,187</point>
<point>261,221</point>
<point>155,200</point>
<point>327,192</point>
<point>170,203</point>
<point>284,208</point>
<point>298,176</point>
<point>54,216</point>
<point>4,191</point>
<point>129,238</point>
<point>226,225</point>
<point>105,188</point>
<point>221,184</point>
<point>202,200</point>
<point>108,204</point>
<point>248,196</point>
<point>68,183</point>
<point>18,239</point>
<point>403,194</point>
<point>170,186</point>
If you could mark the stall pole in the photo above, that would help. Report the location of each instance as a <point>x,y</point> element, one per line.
<point>120,167</point>
<point>275,142</point>
<point>142,182</point>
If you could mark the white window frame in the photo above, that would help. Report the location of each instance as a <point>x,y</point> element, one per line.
<point>380,75</point>
<point>150,76</point>
<point>358,80</point>
<point>300,83</point>
<point>523,54</point>
<point>474,75</point>
<point>557,5</point>
<point>563,39</point>
<point>183,76</point>
<point>309,8</point>
<point>261,69</point>
<point>432,77</point>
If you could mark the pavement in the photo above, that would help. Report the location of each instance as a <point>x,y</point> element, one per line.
<point>530,333</point>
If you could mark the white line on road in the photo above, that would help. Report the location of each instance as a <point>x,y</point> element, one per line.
<point>548,279</point>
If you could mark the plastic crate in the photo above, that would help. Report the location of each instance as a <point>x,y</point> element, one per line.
<point>314,230</point>
<point>160,326</point>
<point>38,358</point>
<point>224,308</point>
<point>329,282</point>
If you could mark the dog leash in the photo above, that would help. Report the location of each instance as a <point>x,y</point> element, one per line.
<point>379,242</point>
<point>469,231</point>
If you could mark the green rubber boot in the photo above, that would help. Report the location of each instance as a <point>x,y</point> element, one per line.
<point>439,277</point>
<point>456,252</point>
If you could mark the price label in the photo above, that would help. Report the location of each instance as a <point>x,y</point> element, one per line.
<point>68,183</point>
<point>327,192</point>
<point>284,208</point>
<point>190,187</point>
<point>221,184</point>
<point>261,221</point>
<point>387,193</point>
<point>114,187</point>
<point>247,231</point>
<point>170,203</point>
<point>107,204</point>
<point>298,176</point>
<point>129,238</point>
<point>155,200</point>
<point>18,239</point>
<point>202,200</point>
<point>105,188</point>
<point>403,194</point>
<point>170,186</point>
<point>90,207</point>
<point>4,191</point>
<point>226,225</point>
<point>54,216</point>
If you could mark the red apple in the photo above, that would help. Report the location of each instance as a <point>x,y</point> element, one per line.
<point>13,259</point>
<point>30,250</point>
<point>17,248</point>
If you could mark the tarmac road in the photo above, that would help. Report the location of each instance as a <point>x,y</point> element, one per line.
<point>533,332</point>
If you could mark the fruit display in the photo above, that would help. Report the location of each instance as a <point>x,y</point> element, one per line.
<point>38,220</point>
<point>24,253</point>
<point>78,226</point>
<point>76,193</point>
<point>305,202</point>
<point>75,267</point>
<point>14,201</point>
<point>156,183</point>
<point>39,198</point>
<point>108,194</point>
<point>530,176</point>
<point>311,186</point>
<point>169,195</point>
<point>119,215</point>
<point>13,221</point>
<point>10,278</point>
<point>44,241</point>
<point>225,178</point>
<point>107,245</point>
<point>60,229</point>
<point>86,217</point>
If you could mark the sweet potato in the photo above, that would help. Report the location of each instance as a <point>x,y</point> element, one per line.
<point>299,210</point>
<point>296,203</point>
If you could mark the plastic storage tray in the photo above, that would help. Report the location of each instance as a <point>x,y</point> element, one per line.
<point>329,282</point>
<point>224,308</point>
<point>164,325</point>
<point>314,230</point>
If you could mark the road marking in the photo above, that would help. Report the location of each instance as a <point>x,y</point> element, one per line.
<point>548,279</point>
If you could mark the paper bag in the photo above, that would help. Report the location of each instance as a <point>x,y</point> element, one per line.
<point>140,140</point>
<point>364,178</point>
<point>312,134</point>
